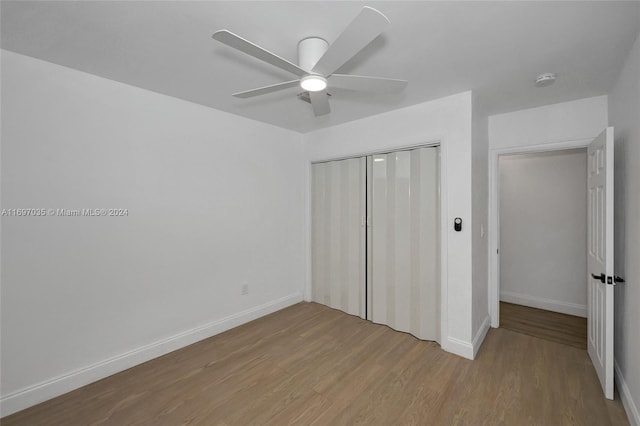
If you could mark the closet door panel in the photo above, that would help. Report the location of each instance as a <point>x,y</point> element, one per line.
<point>404,278</point>
<point>338,252</point>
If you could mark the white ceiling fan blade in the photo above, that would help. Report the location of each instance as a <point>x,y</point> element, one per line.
<point>366,84</point>
<point>360,32</point>
<point>237,42</point>
<point>320,102</point>
<point>267,89</point>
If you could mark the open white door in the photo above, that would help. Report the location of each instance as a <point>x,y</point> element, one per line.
<point>600,258</point>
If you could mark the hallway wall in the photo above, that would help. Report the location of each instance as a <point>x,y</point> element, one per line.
<point>543,223</point>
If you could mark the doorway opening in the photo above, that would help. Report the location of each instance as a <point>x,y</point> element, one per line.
<point>600,278</point>
<point>542,240</point>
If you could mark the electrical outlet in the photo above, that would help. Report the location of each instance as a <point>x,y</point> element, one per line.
<point>244,289</point>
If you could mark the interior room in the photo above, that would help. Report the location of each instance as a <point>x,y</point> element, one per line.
<point>543,235</point>
<point>277,212</point>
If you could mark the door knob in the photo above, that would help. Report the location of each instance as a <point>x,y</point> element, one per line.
<point>600,277</point>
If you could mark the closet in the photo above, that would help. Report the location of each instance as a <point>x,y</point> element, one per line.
<point>375,238</point>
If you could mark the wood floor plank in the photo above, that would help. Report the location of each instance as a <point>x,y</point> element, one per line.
<point>312,365</point>
<point>568,329</point>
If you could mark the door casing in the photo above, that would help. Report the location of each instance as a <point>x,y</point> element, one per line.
<point>494,213</point>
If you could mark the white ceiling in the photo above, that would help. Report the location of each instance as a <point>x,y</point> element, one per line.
<point>442,48</point>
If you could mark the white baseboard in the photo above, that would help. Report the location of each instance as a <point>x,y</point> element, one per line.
<point>480,335</point>
<point>467,349</point>
<point>627,399</point>
<point>542,303</point>
<point>458,347</point>
<point>56,386</point>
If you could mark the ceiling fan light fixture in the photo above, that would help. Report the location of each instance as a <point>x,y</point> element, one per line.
<point>318,61</point>
<point>313,83</point>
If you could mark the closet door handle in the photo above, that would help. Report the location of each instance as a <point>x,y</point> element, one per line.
<point>600,277</point>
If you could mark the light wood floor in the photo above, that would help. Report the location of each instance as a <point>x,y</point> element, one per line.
<point>561,328</point>
<point>311,365</point>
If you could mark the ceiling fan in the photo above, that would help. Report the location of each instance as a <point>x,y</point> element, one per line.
<point>317,62</point>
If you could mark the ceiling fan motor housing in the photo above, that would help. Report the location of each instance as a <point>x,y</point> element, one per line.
<point>310,50</point>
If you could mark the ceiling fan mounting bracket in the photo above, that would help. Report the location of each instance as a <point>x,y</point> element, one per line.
<point>311,49</point>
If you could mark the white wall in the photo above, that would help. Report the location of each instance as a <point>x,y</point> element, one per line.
<point>480,188</point>
<point>447,120</point>
<point>214,200</point>
<point>543,230</point>
<point>566,121</point>
<point>624,115</point>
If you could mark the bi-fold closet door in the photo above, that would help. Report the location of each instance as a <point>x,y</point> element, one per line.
<point>375,238</point>
<point>338,231</point>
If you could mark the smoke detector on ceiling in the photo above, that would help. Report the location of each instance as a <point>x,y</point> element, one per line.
<point>546,79</point>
